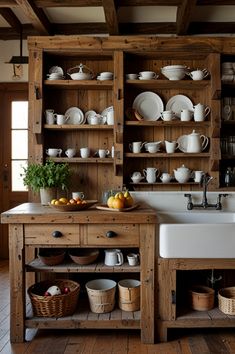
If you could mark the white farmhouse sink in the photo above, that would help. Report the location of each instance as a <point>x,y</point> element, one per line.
<point>194,234</point>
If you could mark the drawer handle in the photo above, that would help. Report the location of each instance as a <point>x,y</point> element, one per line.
<point>57,234</point>
<point>110,234</point>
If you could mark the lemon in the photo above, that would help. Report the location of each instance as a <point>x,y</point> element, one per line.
<point>53,201</point>
<point>110,201</point>
<point>63,200</point>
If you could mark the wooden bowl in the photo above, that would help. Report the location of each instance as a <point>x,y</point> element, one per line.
<point>84,256</point>
<point>52,256</point>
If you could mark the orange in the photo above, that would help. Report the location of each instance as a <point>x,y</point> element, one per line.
<point>72,201</point>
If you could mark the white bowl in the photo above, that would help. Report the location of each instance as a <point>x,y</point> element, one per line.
<point>175,74</point>
<point>173,67</point>
<point>80,76</point>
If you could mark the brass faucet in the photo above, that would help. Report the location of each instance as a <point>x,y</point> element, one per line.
<point>205,180</point>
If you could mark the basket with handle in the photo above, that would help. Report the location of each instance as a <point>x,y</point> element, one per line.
<point>55,305</point>
<point>226,299</point>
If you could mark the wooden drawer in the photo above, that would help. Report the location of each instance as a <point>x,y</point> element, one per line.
<point>124,235</point>
<point>43,234</point>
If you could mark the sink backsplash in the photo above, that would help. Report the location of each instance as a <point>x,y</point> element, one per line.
<point>175,201</point>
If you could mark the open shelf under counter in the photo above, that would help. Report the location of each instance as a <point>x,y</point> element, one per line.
<point>169,84</point>
<point>167,155</point>
<point>107,160</point>
<point>84,318</point>
<point>172,123</point>
<point>37,266</point>
<point>81,84</point>
<point>78,127</point>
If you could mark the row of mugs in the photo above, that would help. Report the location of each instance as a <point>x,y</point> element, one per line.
<point>151,174</point>
<point>199,114</point>
<point>114,257</point>
<point>71,152</point>
<point>153,147</point>
<point>93,119</point>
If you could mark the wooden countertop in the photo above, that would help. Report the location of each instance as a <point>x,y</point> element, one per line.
<point>36,213</point>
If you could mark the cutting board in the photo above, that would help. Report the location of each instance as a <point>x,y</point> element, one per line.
<point>106,208</point>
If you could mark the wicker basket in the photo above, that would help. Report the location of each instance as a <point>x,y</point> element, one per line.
<point>56,305</point>
<point>226,297</point>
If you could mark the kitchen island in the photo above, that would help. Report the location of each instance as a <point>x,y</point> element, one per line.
<point>33,226</point>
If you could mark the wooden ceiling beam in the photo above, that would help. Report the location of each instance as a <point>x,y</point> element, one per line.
<point>10,33</point>
<point>184,15</point>
<point>122,3</point>
<point>211,27</point>
<point>11,19</point>
<point>8,3</point>
<point>215,2</point>
<point>36,16</point>
<point>155,28</point>
<point>67,3</point>
<point>111,19</point>
<point>80,28</point>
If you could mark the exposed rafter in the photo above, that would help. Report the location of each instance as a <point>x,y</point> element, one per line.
<point>11,19</point>
<point>184,15</point>
<point>110,13</point>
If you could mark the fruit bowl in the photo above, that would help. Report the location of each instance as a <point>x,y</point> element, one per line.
<point>74,207</point>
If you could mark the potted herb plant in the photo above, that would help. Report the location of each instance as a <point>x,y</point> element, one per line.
<point>46,178</point>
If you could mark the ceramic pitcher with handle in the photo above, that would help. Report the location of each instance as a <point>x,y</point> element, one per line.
<point>196,142</point>
<point>151,174</point>
<point>201,111</point>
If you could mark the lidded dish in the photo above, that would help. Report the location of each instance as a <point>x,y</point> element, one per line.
<point>80,72</point>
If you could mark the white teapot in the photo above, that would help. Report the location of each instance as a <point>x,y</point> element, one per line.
<point>198,74</point>
<point>193,143</point>
<point>182,174</point>
<point>136,177</point>
<point>201,112</point>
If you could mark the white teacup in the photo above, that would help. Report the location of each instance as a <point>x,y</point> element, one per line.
<point>167,115</point>
<point>131,76</point>
<point>171,146</point>
<point>148,75</point>
<point>53,152</point>
<point>85,152</point>
<point>61,119</point>
<point>78,195</point>
<point>133,259</point>
<point>71,152</point>
<point>165,177</point>
<point>103,153</point>
<point>198,176</point>
<point>136,146</point>
<point>186,115</point>
<point>95,119</point>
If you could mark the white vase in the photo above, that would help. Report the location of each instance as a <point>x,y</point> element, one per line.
<point>47,194</point>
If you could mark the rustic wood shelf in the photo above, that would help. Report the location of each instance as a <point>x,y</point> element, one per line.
<point>37,266</point>
<point>80,84</point>
<point>166,155</point>
<point>107,160</point>
<point>160,183</point>
<point>84,318</point>
<point>173,123</point>
<point>78,127</point>
<point>169,84</point>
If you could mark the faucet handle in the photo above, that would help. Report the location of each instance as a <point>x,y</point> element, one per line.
<point>218,204</point>
<point>190,203</point>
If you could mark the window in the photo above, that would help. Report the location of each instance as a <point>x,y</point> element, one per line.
<point>19,144</point>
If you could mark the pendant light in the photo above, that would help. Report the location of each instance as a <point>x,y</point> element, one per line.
<point>19,59</point>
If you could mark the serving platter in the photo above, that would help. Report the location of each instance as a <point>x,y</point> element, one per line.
<point>177,103</point>
<point>149,105</point>
<point>76,116</point>
<point>106,208</point>
<point>74,207</point>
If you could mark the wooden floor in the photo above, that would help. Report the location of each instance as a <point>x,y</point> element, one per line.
<point>211,341</point>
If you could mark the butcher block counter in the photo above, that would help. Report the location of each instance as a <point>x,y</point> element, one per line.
<point>32,225</point>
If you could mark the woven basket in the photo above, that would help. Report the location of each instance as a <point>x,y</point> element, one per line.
<point>56,305</point>
<point>226,297</point>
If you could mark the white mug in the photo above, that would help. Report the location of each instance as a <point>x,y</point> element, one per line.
<point>148,75</point>
<point>110,117</point>
<point>171,146</point>
<point>95,119</point>
<point>198,176</point>
<point>186,115</point>
<point>78,195</point>
<point>167,115</point>
<point>85,152</point>
<point>103,153</point>
<point>61,119</point>
<point>136,147</point>
<point>113,257</point>
<point>50,117</point>
<point>53,152</point>
<point>71,152</point>
<point>133,259</point>
<point>131,76</point>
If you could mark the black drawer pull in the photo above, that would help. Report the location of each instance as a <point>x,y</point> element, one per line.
<point>57,234</point>
<point>110,234</point>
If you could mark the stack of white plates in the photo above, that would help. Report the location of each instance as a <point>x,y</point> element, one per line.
<point>75,115</point>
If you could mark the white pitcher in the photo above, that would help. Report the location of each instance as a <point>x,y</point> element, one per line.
<point>201,112</point>
<point>151,174</point>
<point>113,257</point>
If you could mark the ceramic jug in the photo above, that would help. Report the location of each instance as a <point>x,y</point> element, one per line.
<point>196,142</point>
<point>201,112</point>
<point>113,257</point>
<point>151,174</point>
<point>182,174</point>
<point>165,177</point>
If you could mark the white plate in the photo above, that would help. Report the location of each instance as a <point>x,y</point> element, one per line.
<point>149,105</point>
<point>76,116</point>
<point>57,70</point>
<point>182,141</point>
<point>177,103</point>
